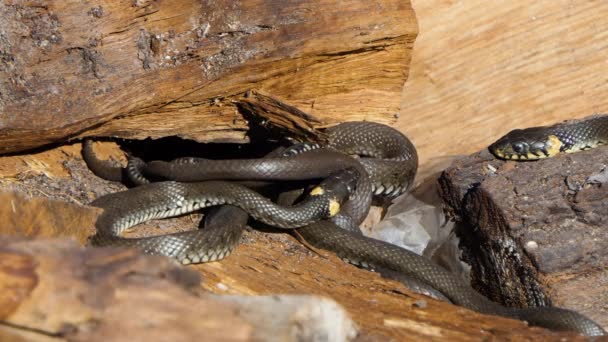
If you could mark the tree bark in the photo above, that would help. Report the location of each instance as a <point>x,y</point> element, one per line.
<point>138,69</point>
<point>534,232</point>
<point>113,291</point>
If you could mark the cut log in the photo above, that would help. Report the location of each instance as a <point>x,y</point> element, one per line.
<point>160,68</point>
<point>534,232</point>
<point>120,282</point>
<point>482,68</point>
<point>110,289</point>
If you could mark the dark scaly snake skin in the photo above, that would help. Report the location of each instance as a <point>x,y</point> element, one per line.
<point>547,141</point>
<point>311,164</point>
<point>389,157</point>
<point>378,255</point>
<point>169,199</point>
<point>219,236</point>
<point>372,254</point>
<point>101,168</point>
<point>125,209</point>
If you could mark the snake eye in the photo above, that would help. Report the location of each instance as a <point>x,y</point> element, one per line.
<point>538,146</point>
<point>519,148</point>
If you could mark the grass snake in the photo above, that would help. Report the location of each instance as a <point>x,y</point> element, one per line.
<point>547,141</point>
<point>387,165</point>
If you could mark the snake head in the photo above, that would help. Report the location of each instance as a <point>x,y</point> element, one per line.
<point>337,188</point>
<point>527,144</point>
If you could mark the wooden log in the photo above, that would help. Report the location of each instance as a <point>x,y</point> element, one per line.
<point>273,114</point>
<point>139,69</point>
<point>481,68</point>
<point>109,290</point>
<point>264,264</point>
<point>534,232</point>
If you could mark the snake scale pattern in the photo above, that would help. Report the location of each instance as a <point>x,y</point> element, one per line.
<point>547,141</point>
<point>386,164</point>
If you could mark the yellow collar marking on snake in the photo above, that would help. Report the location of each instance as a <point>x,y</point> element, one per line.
<point>334,207</point>
<point>553,145</point>
<point>317,191</point>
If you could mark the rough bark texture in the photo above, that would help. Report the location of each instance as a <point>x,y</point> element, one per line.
<point>157,68</point>
<point>264,264</point>
<point>534,232</point>
<point>272,113</point>
<point>160,68</point>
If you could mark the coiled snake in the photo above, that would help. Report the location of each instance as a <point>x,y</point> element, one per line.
<point>388,165</point>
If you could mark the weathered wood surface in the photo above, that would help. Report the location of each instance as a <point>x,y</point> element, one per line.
<point>480,69</point>
<point>264,264</point>
<point>535,232</point>
<point>160,68</point>
<point>56,288</point>
<point>271,113</point>
<point>483,67</point>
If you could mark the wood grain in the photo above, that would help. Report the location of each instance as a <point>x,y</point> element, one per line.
<point>139,69</point>
<point>482,68</point>
<point>35,274</point>
<point>534,233</point>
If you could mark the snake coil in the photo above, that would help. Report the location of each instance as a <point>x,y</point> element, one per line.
<point>387,166</point>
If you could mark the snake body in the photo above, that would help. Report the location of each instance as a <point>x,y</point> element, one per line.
<point>388,157</point>
<point>125,209</point>
<point>399,159</point>
<point>375,254</point>
<point>168,199</point>
<point>547,141</point>
<point>311,164</point>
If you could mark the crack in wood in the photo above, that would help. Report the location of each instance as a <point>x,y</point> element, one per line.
<point>32,329</point>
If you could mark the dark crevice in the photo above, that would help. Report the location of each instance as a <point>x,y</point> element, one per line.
<point>169,148</point>
<point>246,31</point>
<point>493,260</point>
<point>120,31</point>
<point>385,39</point>
<point>31,330</point>
<point>355,51</point>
